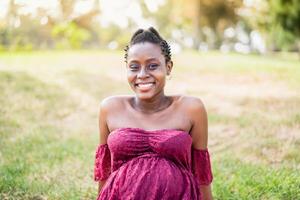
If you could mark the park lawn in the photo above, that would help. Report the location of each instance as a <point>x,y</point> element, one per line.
<point>48,120</point>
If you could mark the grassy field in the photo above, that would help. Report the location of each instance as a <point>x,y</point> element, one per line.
<point>48,120</point>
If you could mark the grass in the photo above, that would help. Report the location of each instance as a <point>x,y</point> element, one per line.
<point>48,120</point>
<point>248,181</point>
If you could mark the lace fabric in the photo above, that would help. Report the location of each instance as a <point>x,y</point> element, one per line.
<point>151,165</point>
<point>201,166</point>
<point>102,167</point>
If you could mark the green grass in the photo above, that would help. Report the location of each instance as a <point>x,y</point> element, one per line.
<point>247,181</point>
<point>48,120</point>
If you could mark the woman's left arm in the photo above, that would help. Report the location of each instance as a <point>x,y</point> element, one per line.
<point>206,193</point>
<point>199,133</point>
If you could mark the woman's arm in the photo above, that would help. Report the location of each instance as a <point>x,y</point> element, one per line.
<point>206,193</point>
<point>103,130</point>
<point>199,134</point>
<point>100,185</point>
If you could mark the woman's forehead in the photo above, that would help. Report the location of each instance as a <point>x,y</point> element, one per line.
<point>145,49</point>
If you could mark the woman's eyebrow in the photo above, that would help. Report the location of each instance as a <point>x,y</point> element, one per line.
<point>133,61</point>
<point>147,60</point>
<point>152,59</point>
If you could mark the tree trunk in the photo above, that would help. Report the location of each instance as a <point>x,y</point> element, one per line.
<point>298,44</point>
<point>197,25</point>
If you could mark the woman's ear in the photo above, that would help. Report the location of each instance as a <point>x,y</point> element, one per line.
<point>169,67</point>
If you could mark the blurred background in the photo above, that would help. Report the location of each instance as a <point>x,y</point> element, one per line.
<point>60,58</point>
<point>244,26</point>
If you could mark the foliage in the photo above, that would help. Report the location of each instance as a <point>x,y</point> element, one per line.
<point>69,35</point>
<point>193,17</point>
<point>286,21</point>
<point>188,24</point>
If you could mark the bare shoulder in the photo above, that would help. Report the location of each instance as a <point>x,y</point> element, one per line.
<point>192,105</point>
<point>108,107</point>
<point>195,109</point>
<point>113,102</point>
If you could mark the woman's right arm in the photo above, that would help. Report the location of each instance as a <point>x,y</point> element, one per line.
<point>103,130</point>
<point>100,185</point>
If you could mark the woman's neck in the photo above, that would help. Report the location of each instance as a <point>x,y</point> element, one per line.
<point>154,105</point>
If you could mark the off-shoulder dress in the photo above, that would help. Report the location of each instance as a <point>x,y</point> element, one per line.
<point>140,164</point>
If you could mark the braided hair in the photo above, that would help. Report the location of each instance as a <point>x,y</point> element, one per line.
<point>150,35</point>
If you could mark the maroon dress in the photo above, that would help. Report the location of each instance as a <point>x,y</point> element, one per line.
<point>151,165</point>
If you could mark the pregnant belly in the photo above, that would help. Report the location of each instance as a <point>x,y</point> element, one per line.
<point>152,177</point>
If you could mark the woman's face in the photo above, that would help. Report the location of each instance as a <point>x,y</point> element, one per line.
<point>147,69</point>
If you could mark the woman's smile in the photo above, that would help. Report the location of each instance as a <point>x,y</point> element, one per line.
<point>145,86</point>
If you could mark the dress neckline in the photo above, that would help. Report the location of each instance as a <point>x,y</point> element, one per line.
<point>149,131</point>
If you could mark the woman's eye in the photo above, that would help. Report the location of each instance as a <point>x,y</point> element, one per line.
<point>153,66</point>
<point>133,67</point>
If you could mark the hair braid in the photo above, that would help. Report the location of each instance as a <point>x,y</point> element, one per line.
<point>150,35</point>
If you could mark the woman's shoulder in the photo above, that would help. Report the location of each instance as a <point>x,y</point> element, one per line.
<point>114,102</point>
<point>191,103</point>
<point>195,110</point>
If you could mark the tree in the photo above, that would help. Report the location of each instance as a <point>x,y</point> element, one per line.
<point>286,21</point>
<point>193,16</point>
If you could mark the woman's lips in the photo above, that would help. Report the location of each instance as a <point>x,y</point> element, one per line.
<point>145,86</point>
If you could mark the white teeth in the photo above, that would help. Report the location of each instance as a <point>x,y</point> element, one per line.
<point>145,85</point>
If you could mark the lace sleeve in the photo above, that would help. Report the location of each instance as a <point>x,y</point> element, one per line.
<point>201,166</point>
<point>102,167</point>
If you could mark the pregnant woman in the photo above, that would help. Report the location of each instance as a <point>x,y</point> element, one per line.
<point>152,146</point>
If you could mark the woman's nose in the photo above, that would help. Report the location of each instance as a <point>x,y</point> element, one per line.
<point>142,73</point>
